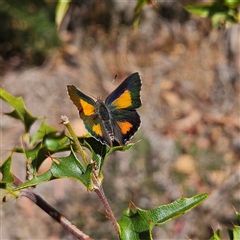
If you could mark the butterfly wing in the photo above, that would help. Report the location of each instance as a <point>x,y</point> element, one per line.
<point>84,103</point>
<point>127,94</point>
<point>88,113</point>
<point>125,124</point>
<point>122,103</point>
<point>95,127</point>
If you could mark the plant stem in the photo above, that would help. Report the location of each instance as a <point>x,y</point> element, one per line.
<point>54,214</point>
<point>65,121</point>
<point>40,202</point>
<point>108,209</point>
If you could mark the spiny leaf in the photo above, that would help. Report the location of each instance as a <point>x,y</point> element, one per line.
<point>35,156</point>
<point>236,232</point>
<point>65,167</point>
<point>216,235</point>
<point>73,170</point>
<point>36,180</point>
<point>51,142</point>
<point>56,142</point>
<point>100,151</point>
<point>133,226</point>
<point>5,169</point>
<point>68,166</point>
<point>139,224</point>
<point>165,213</point>
<point>20,112</point>
<point>43,130</point>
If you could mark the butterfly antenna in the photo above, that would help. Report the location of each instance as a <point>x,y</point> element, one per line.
<point>112,81</point>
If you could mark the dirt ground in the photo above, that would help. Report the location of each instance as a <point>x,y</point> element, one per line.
<point>190,141</point>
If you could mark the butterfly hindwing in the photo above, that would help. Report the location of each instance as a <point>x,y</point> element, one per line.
<point>125,124</point>
<point>127,94</point>
<point>95,127</point>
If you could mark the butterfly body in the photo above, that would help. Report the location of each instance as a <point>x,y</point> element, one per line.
<point>116,119</point>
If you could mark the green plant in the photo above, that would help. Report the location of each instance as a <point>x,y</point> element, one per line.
<point>135,223</point>
<point>219,11</point>
<point>234,233</point>
<point>28,32</point>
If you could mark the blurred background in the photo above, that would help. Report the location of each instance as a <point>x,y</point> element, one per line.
<point>189,137</point>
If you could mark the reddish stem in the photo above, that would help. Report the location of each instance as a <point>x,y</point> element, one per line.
<point>40,202</point>
<point>108,209</point>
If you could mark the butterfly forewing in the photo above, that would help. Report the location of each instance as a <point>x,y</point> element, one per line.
<point>127,94</point>
<point>84,104</point>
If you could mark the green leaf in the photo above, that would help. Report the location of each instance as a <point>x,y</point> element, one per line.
<point>232,3</point>
<point>220,11</point>
<point>43,130</point>
<point>61,10</point>
<point>20,112</point>
<point>56,142</point>
<point>218,18</point>
<point>139,224</point>
<point>201,11</point>
<point>216,235</point>
<point>65,167</point>
<point>101,151</point>
<point>165,213</point>
<point>127,225</point>
<point>51,142</point>
<point>5,169</point>
<point>139,6</point>
<point>70,166</point>
<point>98,150</point>
<point>238,218</point>
<point>35,155</point>
<point>51,138</point>
<point>121,148</point>
<point>236,232</point>
<point>45,177</point>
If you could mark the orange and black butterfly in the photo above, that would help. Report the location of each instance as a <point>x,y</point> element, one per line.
<point>116,119</point>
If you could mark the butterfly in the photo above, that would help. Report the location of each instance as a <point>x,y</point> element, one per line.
<point>114,120</point>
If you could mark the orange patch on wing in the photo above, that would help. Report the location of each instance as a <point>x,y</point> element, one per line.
<point>124,126</point>
<point>88,109</point>
<point>124,100</point>
<point>97,129</point>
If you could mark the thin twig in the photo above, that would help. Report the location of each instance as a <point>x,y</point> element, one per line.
<point>108,209</point>
<point>40,202</point>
